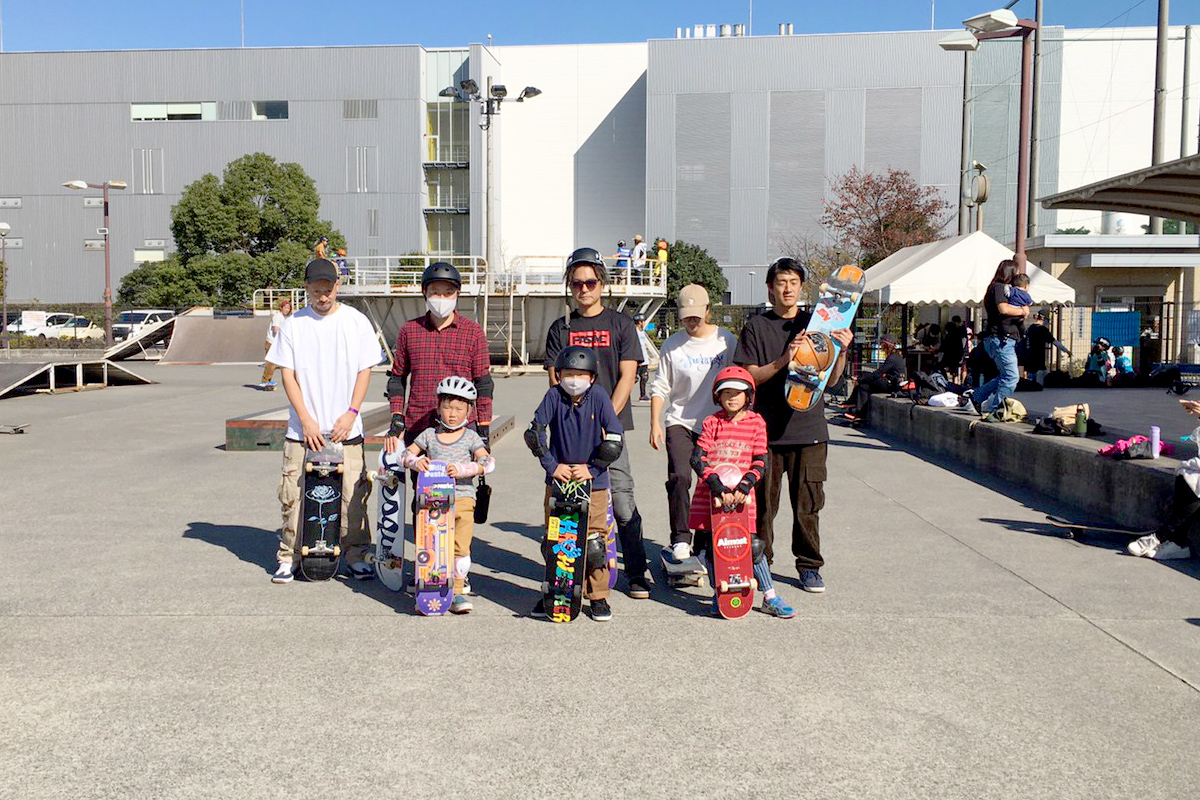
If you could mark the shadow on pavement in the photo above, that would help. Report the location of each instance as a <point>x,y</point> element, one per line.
<point>860,445</point>
<point>1193,621</point>
<point>252,545</point>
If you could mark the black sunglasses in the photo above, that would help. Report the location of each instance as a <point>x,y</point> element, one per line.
<point>589,284</point>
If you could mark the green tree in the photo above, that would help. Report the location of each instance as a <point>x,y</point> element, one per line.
<point>691,263</point>
<point>251,229</point>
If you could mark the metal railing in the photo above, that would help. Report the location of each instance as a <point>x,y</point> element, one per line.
<point>386,275</point>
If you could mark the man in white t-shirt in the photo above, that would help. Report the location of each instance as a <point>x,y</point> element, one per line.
<point>639,258</point>
<point>687,364</point>
<point>325,352</point>
<point>285,311</point>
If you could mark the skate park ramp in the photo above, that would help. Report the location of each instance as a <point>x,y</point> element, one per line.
<point>204,337</point>
<point>142,343</point>
<point>26,377</point>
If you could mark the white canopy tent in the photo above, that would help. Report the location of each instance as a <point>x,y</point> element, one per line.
<point>954,272</point>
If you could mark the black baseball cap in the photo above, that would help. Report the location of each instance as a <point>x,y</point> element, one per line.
<point>320,269</point>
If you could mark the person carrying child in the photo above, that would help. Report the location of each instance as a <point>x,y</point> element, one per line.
<point>466,456</point>
<point>734,437</point>
<point>585,438</point>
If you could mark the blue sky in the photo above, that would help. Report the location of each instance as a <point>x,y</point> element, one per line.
<point>135,24</point>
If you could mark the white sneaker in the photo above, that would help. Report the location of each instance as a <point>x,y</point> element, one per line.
<point>284,573</point>
<point>1145,546</point>
<point>1169,551</point>
<point>681,550</point>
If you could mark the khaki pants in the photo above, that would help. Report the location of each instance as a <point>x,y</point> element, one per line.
<point>268,367</point>
<point>596,584</point>
<point>464,529</point>
<point>356,488</point>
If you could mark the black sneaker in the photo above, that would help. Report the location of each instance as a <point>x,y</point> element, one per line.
<point>638,588</point>
<point>540,609</point>
<point>600,611</point>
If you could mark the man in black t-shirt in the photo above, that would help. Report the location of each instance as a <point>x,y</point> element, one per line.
<point>613,337</point>
<point>798,441</point>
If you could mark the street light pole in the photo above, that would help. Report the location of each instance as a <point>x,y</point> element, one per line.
<point>4,229</point>
<point>108,299</point>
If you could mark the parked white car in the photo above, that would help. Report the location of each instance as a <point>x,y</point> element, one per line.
<point>73,327</point>
<point>130,323</point>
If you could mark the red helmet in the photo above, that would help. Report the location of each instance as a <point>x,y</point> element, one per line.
<point>734,378</point>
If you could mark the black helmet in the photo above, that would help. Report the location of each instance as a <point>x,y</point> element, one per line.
<point>585,255</point>
<point>440,271</point>
<point>576,357</point>
<point>621,243</point>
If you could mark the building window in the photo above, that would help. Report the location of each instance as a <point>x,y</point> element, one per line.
<point>235,109</point>
<point>447,133</point>
<point>360,109</point>
<point>449,234</point>
<point>448,188</point>
<point>372,223</point>
<point>183,111</point>
<point>147,170</point>
<point>362,169</point>
<point>270,109</point>
<point>144,254</point>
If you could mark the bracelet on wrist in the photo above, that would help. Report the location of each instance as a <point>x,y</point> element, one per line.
<point>353,410</point>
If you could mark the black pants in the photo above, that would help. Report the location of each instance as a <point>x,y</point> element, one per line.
<point>680,443</point>
<point>643,374</point>
<point>1185,505</point>
<point>804,467</point>
<point>867,386</point>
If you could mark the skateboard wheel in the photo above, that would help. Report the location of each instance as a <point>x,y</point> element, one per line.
<point>424,557</point>
<point>337,550</point>
<point>724,587</point>
<point>341,468</point>
<point>754,584</point>
<point>824,287</point>
<point>304,550</point>
<point>308,466</point>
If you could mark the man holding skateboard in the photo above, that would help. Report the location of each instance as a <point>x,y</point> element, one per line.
<point>612,336</point>
<point>325,353</point>
<point>798,441</point>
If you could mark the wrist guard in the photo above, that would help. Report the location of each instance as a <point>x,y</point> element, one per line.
<point>397,426</point>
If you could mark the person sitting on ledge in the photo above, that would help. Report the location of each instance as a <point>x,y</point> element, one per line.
<point>883,380</point>
<point>1170,541</point>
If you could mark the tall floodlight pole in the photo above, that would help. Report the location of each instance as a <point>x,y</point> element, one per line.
<point>1160,98</point>
<point>1035,121</point>
<point>4,229</point>
<point>108,298</point>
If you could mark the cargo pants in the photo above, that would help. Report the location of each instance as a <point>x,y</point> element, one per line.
<point>356,488</point>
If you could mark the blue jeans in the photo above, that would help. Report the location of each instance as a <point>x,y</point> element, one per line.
<point>1004,352</point>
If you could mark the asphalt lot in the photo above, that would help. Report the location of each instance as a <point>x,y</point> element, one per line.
<point>962,649</point>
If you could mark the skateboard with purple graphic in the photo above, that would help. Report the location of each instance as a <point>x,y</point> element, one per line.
<point>321,513</point>
<point>564,548</point>
<point>610,544</point>
<point>733,561</point>
<point>433,537</point>
<point>388,557</point>
<point>809,370</point>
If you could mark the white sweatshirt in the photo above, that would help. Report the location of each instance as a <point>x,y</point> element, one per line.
<point>686,368</point>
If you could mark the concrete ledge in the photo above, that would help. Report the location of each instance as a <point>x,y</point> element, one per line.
<point>1134,494</point>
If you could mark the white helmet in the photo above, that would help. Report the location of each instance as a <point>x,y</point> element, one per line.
<point>454,386</point>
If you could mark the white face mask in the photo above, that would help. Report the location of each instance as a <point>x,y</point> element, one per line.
<point>441,307</point>
<point>575,385</point>
<point>442,422</point>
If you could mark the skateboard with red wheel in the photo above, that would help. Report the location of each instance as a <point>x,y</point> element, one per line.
<point>434,540</point>
<point>321,513</point>
<point>733,561</point>
<point>808,373</point>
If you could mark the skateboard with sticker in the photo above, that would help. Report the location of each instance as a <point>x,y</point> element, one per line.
<point>733,560</point>
<point>433,538</point>
<point>321,512</point>
<point>564,548</point>
<point>808,373</point>
<point>610,544</point>
<point>388,557</point>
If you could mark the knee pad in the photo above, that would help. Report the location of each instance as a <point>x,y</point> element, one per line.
<point>757,547</point>
<point>596,553</point>
<point>462,566</point>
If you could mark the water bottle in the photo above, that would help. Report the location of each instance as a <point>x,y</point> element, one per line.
<point>1080,421</point>
<point>1155,434</point>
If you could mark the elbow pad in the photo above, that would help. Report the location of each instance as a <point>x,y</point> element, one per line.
<point>484,385</point>
<point>396,385</point>
<point>533,439</point>
<point>608,451</point>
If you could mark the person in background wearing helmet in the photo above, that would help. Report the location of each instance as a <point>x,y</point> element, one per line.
<point>643,369</point>
<point>798,440</point>
<point>431,347</point>
<point>689,361</point>
<point>325,352</point>
<point>621,259</point>
<point>466,456</point>
<point>613,338</point>
<point>734,439</point>
<point>585,441</point>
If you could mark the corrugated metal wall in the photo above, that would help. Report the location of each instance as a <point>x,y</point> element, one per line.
<point>66,116</point>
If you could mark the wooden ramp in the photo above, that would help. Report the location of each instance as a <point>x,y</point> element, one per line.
<point>26,377</point>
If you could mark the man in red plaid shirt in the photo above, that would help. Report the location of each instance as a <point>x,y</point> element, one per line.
<point>431,347</point>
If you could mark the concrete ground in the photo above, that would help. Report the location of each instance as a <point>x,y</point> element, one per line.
<point>962,649</point>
